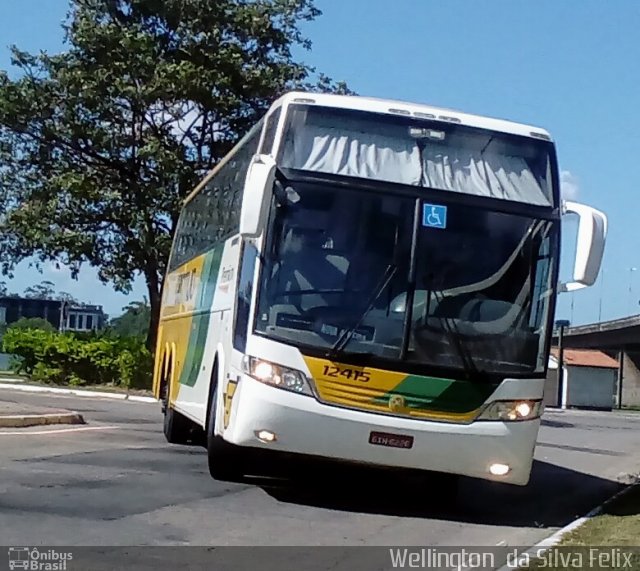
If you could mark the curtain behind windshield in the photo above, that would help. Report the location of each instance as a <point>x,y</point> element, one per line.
<point>447,157</point>
<point>380,156</point>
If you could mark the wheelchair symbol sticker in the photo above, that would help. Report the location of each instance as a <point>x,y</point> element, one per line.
<point>434,216</point>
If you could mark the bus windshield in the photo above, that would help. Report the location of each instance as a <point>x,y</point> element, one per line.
<point>419,152</point>
<point>338,260</point>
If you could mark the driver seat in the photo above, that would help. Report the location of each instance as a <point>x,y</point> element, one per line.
<point>305,265</point>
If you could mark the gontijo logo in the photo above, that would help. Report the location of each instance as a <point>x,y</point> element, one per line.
<point>225,279</point>
<point>34,559</point>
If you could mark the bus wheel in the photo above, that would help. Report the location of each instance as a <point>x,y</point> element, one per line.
<point>177,429</point>
<point>223,457</point>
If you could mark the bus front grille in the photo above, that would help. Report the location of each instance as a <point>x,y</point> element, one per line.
<point>395,393</point>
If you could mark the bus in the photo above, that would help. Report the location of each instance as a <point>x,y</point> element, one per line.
<point>372,282</point>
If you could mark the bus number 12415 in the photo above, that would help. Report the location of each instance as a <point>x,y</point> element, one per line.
<point>335,372</point>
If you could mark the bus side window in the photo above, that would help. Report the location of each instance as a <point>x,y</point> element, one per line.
<point>245,289</point>
<point>213,214</point>
<point>270,130</point>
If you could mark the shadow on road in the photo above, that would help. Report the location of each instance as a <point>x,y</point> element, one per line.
<point>627,505</point>
<point>557,423</point>
<point>554,497</point>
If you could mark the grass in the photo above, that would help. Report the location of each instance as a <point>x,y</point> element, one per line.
<point>618,526</point>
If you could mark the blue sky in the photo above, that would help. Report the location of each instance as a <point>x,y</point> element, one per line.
<point>570,67</point>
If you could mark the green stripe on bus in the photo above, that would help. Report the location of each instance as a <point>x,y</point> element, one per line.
<point>442,395</point>
<point>200,325</point>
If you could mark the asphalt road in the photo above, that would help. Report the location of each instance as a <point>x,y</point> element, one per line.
<point>116,482</point>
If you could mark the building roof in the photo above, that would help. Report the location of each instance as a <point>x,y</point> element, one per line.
<point>19,299</point>
<point>86,308</point>
<point>586,358</point>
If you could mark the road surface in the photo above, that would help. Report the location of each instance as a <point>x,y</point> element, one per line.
<point>116,482</point>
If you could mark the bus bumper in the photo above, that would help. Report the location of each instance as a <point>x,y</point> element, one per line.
<point>302,425</point>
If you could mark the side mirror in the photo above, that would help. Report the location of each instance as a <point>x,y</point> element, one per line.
<point>592,232</point>
<point>255,203</point>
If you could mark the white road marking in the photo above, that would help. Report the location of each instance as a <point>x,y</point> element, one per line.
<point>78,392</point>
<point>54,431</point>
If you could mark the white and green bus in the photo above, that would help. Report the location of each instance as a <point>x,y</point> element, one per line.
<point>369,281</point>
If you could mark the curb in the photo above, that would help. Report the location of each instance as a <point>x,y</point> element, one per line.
<point>553,540</point>
<point>25,420</point>
<point>77,392</point>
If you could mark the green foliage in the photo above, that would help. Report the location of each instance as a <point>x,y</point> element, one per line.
<point>65,358</point>
<point>43,290</point>
<point>4,292</point>
<point>67,297</point>
<point>100,144</point>
<point>134,322</point>
<point>32,323</point>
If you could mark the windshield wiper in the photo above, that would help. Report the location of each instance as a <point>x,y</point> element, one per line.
<point>347,334</point>
<point>453,334</point>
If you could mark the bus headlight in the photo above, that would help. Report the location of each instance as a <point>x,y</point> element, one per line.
<point>276,375</point>
<point>512,410</point>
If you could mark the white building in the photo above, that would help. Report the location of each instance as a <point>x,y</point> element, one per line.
<point>590,380</point>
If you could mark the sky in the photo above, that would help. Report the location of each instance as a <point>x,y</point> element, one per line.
<point>570,67</point>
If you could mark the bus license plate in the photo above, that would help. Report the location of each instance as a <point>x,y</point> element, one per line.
<point>392,440</point>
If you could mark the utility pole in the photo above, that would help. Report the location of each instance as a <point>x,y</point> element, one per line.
<point>620,376</point>
<point>63,316</point>
<point>573,299</point>
<point>601,295</point>
<point>561,324</point>
<point>631,270</point>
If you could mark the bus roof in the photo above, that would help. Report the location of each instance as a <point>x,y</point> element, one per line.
<point>396,107</point>
<point>402,108</point>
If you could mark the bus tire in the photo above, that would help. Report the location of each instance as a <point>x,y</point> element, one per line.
<point>176,427</point>
<point>222,457</point>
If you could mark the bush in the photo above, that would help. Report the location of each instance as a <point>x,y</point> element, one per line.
<point>66,358</point>
<point>32,323</point>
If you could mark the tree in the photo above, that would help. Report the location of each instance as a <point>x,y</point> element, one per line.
<point>43,290</point>
<point>4,292</point>
<point>134,322</point>
<point>67,298</point>
<point>101,143</point>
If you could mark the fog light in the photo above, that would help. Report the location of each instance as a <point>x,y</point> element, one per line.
<point>266,436</point>
<point>499,469</point>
